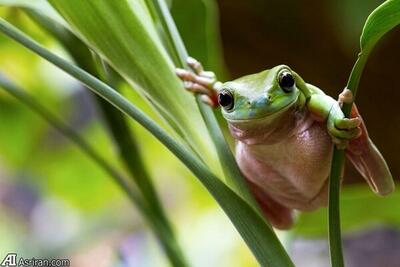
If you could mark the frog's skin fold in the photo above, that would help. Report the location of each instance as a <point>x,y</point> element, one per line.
<point>285,130</point>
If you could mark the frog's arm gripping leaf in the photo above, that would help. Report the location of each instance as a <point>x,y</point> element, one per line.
<point>368,160</point>
<point>361,151</point>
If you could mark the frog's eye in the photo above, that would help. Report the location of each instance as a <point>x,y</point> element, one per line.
<point>225,99</point>
<point>286,81</point>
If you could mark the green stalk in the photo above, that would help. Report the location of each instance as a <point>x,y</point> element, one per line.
<point>335,235</point>
<point>255,232</point>
<point>338,159</point>
<point>179,55</point>
<point>120,132</point>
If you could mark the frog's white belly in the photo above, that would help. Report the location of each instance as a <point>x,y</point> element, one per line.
<point>293,172</point>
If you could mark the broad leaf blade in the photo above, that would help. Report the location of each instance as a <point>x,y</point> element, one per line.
<point>124,34</point>
<point>200,17</point>
<point>380,21</point>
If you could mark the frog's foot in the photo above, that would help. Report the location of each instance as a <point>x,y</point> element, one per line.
<point>346,97</point>
<point>199,81</point>
<point>342,130</point>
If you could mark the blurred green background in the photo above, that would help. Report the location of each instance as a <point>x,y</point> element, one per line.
<point>55,202</point>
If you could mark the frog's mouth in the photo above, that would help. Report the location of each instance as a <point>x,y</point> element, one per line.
<point>266,118</point>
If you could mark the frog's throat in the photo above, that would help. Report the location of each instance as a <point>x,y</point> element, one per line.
<point>270,129</point>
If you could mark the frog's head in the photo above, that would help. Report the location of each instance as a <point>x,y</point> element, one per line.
<point>260,99</point>
<point>258,95</point>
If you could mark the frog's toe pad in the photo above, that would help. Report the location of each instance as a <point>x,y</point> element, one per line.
<point>183,74</point>
<point>207,80</point>
<point>345,97</point>
<point>195,65</point>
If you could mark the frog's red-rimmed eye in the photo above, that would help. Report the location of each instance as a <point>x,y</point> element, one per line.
<point>225,99</point>
<point>286,81</point>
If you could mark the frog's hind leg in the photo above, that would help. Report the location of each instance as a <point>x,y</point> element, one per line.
<point>368,160</point>
<point>279,216</point>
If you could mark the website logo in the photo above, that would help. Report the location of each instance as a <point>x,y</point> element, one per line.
<point>12,260</point>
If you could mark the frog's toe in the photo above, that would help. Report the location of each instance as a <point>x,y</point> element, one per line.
<point>346,96</point>
<point>208,74</point>
<point>344,134</point>
<point>195,65</point>
<point>344,129</point>
<point>195,88</point>
<point>198,69</point>
<point>190,81</point>
<point>183,74</point>
<point>203,81</point>
<point>346,124</point>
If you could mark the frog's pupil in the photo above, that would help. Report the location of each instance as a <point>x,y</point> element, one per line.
<point>286,81</point>
<point>225,99</point>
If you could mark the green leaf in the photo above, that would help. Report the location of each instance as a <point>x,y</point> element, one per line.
<point>258,235</point>
<point>123,33</point>
<point>200,17</point>
<point>41,6</point>
<point>379,22</point>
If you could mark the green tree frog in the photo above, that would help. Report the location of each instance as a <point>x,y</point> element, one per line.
<point>285,130</point>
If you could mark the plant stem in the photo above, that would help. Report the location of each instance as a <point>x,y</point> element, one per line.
<point>335,236</point>
<point>338,159</point>
<point>354,79</point>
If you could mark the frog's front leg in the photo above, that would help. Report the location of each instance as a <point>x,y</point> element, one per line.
<point>199,81</point>
<point>340,128</point>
